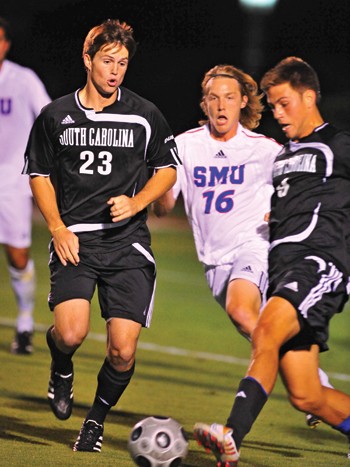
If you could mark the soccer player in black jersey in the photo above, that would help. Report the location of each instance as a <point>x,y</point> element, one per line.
<point>309,264</point>
<point>96,159</point>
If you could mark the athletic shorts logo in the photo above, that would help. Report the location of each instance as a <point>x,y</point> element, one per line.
<point>292,286</point>
<point>247,269</point>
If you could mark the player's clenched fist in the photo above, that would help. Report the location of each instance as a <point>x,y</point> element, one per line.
<point>122,207</point>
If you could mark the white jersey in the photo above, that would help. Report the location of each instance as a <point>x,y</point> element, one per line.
<point>226,187</point>
<point>22,96</point>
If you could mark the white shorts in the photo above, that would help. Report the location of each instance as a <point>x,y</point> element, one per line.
<point>249,262</point>
<point>16,220</point>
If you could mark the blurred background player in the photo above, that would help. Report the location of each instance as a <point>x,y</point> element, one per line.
<point>22,96</point>
<point>96,159</point>
<point>309,265</point>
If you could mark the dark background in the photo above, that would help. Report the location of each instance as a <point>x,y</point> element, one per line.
<point>180,40</point>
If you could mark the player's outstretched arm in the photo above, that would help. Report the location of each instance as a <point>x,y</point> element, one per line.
<point>66,243</point>
<point>123,207</point>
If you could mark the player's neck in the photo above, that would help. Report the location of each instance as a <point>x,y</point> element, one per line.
<point>92,99</point>
<point>310,125</point>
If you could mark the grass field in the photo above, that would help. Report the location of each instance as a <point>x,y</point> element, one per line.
<point>189,364</point>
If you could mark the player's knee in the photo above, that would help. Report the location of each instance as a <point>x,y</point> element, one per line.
<point>70,338</point>
<point>121,358</point>
<point>18,260</point>
<point>244,319</point>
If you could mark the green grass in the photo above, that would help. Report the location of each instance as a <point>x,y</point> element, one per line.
<point>188,385</point>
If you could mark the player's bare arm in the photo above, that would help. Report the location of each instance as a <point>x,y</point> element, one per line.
<point>123,207</point>
<point>165,204</point>
<point>66,243</point>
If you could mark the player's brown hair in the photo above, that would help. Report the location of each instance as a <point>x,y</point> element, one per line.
<point>295,71</point>
<point>111,31</point>
<point>251,114</point>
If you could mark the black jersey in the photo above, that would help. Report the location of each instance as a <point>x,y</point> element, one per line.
<point>91,156</point>
<point>311,202</point>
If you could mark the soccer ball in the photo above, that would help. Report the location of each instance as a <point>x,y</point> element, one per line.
<point>158,442</point>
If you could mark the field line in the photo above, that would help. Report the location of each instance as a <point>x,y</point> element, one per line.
<point>169,350</point>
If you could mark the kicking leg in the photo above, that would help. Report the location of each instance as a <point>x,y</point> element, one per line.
<point>276,325</point>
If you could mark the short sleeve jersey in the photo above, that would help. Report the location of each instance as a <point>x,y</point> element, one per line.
<point>22,96</point>
<point>226,187</point>
<point>92,156</point>
<point>311,202</point>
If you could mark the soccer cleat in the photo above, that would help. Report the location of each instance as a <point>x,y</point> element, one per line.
<point>90,437</point>
<point>218,439</point>
<point>312,421</point>
<point>60,394</point>
<point>22,343</point>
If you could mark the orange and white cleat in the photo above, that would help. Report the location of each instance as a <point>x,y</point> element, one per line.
<point>218,439</point>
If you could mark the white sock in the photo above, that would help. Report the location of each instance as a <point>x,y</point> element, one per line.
<point>324,379</point>
<point>23,284</point>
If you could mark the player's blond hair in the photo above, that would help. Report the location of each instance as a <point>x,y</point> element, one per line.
<point>111,31</point>
<point>250,115</point>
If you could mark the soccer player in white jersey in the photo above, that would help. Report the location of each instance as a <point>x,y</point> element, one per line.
<point>96,159</point>
<point>22,96</point>
<point>226,184</point>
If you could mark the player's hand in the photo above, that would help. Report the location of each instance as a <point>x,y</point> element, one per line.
<point>267,217</point>
<point>122,207</point>
<point>66,245</point>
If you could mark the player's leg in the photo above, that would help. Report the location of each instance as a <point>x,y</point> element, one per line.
<point>72,288</point>
<point>22,277</point>
<point>112,380</point>
<point>277,324</point>
<point>299,371</point>
<point>15,235</point>
<point>71,326</point>
<point>243,302</point>
<point>126,300</point>
<point>118,367</point>
<point>312,420</point>
<point>300,374</point>
<point>239,287</point>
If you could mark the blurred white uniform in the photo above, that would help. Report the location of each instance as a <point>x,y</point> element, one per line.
<point>22,96</point>
<point>226,187</point>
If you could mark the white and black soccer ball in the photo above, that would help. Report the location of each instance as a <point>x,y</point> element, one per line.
<point>158,442</point>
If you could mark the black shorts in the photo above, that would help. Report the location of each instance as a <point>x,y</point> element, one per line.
<point>125,280</point>
<point>317,290</point>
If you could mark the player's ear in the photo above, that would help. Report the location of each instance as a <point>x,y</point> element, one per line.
<point>310,97</point>
<point>87,61</point>
<point>244,101</point>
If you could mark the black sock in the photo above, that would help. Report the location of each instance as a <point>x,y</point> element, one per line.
<point>250,399</point>
<point>62,362</point>
<point>110,387</point>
